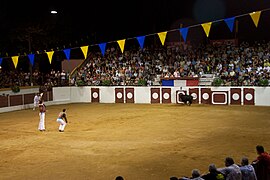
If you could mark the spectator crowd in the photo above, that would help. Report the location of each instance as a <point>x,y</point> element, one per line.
<point>258,169</point>
<point>236,65</point>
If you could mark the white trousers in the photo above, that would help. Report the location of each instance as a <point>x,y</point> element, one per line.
<point>41,125</point>
<point>35,105</point>
<point>62,124</point>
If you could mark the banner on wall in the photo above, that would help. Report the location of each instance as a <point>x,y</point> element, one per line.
<point>220,42</point>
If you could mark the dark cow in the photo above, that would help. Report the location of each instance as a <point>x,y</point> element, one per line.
<point>186,99</point>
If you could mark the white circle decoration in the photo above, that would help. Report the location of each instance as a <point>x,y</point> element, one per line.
<point>248,96</point>
<point>155,95</point>
<point>129,95</point>
<point>95,95</point>
<point>194,95</point>
<point>119,95</point>
<point>166,95</point>
<point>235,96</point>
<point>205,96</point>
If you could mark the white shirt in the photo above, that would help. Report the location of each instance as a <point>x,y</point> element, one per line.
<point>36,99</point>
<point>232,172</point>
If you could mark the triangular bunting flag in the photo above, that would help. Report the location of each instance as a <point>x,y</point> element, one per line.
<point>1,61</point>
<point>50,54</point>
<point>67,53</point>
<point>121,44</point>
<point>206,28</point>
<point>230,23</point>
<point>255,17</point>
<point>102,47</point>
<point>84,50</point>
<point>162,37</point>
<point>183,32</point>
<point>15,60</point>
<point>31,58</point>
<point>141,41</point>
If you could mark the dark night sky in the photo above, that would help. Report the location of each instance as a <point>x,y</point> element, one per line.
<point>113,20</point>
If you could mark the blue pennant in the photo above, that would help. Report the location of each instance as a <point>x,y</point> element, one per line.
<point>141,41</point>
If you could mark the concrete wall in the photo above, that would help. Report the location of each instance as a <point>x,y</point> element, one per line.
<point>259,96</point>
<point>24,99</point>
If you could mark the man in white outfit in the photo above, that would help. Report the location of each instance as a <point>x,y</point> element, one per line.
<point>36,101</point>
<point>42,111</point>
<point>62,120</point>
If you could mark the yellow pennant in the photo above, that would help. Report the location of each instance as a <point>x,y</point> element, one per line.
<point>255,17</point>
<point>15,60</point>
<point>206,28</point>
<point>121,44</point>
<point>50,54</point>
<point>162,37</point>
<point>84,50</point>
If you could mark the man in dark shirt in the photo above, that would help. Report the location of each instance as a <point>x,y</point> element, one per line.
<point>213,174</point>
<point>262,164</point>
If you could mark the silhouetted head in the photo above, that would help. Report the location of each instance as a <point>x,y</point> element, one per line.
<point>195,173</point>
<point>260,149</point>
<point>119,178</point>
<point>212,168</point>
<point>244,161</point>
<point>229,161</point>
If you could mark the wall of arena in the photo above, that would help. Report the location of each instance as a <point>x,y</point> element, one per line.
<point>258,96</point>
<point>24,99</point>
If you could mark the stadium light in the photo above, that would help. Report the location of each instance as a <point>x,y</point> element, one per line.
<point>53,12</point>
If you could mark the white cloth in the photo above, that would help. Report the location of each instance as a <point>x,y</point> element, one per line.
<point>232,172</point>
<point>62,124</point>
<point>41,125</point>
<point>36,101</point>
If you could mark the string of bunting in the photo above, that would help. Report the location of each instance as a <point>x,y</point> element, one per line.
<point>255,16</point>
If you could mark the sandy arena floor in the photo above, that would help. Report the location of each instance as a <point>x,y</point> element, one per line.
<point>137,141</point>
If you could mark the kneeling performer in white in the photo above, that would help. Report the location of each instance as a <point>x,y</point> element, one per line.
<point>62,120</point>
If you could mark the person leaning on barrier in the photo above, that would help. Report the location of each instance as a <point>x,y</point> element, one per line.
<point>213,174</point>
<point>262,164</point>
<point>232,170</point>
<point>247,170</point>
<point>195,175</point>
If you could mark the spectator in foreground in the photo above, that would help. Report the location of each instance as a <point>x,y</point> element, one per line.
<point>247,170</point>
<point>195,175</point>
<point>119,178</point>
<point>262,164</point>
<point>213,174</point>
<point>231,171</point>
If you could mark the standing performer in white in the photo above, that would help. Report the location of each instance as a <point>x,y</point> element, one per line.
<point>42,111</point>
<point>62,120</point>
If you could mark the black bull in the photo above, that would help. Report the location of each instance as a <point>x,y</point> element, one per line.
<point>187,99</point>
